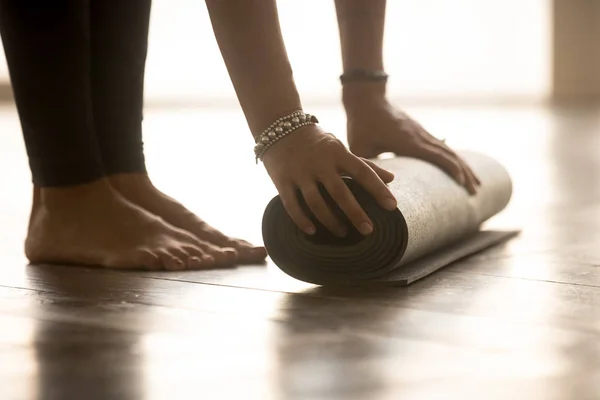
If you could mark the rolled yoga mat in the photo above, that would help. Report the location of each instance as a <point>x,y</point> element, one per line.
<point>435,224</point>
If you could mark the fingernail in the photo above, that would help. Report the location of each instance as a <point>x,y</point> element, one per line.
<point>366,228</point>
<point>311,230</point>
<point>390,203</point>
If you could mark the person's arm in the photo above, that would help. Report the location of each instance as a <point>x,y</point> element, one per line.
<point>250,39</point>
<point>361,25</point>
<point>374,125</point>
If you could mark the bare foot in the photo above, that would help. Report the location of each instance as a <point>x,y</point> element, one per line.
<point>93,225</point>
<point>138,189</point>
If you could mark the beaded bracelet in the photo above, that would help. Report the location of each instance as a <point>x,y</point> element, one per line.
<point>280,128</point>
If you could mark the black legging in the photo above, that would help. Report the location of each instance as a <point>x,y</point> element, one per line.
<point>77,72</point>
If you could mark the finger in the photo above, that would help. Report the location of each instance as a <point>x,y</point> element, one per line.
<point>292,206</point>
<point>472,174</point>
<point>342,195</point>
<point>470,184</point>
<point>385,175</point>
<point>440,158</point>
<point>370,181</point>
<point>476,179</point>
<point>315,202</point>
<point>471,180</point>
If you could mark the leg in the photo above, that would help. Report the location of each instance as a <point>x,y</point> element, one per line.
<point>119,42</point>
<point>77,218</point>
<point>119,32</point>
<point>45,46</point>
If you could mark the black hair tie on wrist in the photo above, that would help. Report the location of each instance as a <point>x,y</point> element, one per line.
<point>362,75</point>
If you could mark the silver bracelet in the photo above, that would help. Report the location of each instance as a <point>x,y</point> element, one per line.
<point>280,128</point>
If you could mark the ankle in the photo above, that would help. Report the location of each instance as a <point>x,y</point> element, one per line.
<point>129,180</point>
<point>132,185</point>
<point>68,196</point>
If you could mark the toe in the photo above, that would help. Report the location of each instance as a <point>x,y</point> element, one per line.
<point>198,257</point>
<point>224,256</point>
<point>169,261</point>
<point>135,258</point>
<point>248,253</point>
<point>230,255</point>
<point>245,251</point>
<point>194,262</point>
<point>225,250</point>
<point>148,260</point>
<point>208,261</point>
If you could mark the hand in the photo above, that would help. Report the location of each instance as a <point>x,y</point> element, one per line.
<point>309,156</point>
<point>376,127</point>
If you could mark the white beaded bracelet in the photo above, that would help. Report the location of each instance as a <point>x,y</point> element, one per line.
<point>280,128</point>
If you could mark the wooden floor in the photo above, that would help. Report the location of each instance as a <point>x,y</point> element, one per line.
<point>521,321</point>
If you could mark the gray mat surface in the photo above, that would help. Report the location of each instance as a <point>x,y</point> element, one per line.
<point>435,224</point>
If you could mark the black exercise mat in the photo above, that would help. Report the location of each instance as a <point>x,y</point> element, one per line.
<point>435,224</point>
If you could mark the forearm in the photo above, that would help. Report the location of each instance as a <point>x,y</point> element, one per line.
<point>361,26</point>
<point>250,39</point>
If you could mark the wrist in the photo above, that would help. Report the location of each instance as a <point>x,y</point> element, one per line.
<point>358,95</point>
<point>280,128</point>
<point>269,100</point>
<point>259,120</point>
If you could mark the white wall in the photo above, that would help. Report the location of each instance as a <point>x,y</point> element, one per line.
<point>434,49</point>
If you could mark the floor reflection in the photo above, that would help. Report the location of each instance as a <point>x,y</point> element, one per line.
<point>19,365</point>
<point>75,357</point>
<point>439,352</point>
